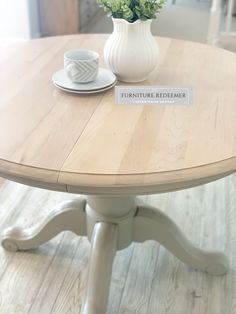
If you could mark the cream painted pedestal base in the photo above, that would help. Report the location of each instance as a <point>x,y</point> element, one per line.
<point>111,223</point>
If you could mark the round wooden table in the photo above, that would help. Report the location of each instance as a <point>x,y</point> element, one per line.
<point>89,145</point>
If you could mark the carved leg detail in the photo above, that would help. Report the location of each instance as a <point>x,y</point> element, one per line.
<point>104,245</point>
<point>69,215</point>
<point>151,224</point>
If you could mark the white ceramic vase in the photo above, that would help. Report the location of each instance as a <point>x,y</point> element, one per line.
<point>131,52</point>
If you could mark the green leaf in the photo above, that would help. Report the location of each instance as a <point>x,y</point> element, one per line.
<point>132,10</point>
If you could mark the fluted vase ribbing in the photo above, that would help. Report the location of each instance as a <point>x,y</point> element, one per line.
<point>131,52</point>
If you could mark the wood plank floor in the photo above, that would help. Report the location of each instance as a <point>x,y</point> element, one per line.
<point>146,278</point>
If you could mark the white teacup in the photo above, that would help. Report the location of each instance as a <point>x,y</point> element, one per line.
<point>81,66</point>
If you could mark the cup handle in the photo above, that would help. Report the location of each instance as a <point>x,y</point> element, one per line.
<point>69,69</point>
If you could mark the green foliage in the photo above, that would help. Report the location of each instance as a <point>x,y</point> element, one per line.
<point>132,10</point>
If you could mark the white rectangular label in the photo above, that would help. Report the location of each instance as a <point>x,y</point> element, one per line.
<point>153,95</point>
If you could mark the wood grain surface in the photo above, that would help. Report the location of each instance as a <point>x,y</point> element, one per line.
<point>58,17</point>
<point>88,144</point>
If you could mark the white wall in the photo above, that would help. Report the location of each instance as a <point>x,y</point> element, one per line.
<point>18,19</point>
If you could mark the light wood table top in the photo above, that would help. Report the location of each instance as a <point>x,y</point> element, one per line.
<point>88,144</point>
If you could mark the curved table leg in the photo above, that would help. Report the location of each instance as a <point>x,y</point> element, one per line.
<point>114,224</point>
<point>103,249</point>
<point>152,224</point>
<point>70,215</point>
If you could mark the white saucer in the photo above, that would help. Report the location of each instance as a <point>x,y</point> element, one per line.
<point>105,79</point>
<point>91,91</point>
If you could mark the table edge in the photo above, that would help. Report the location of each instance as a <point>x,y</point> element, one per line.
<point>151,183</point>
